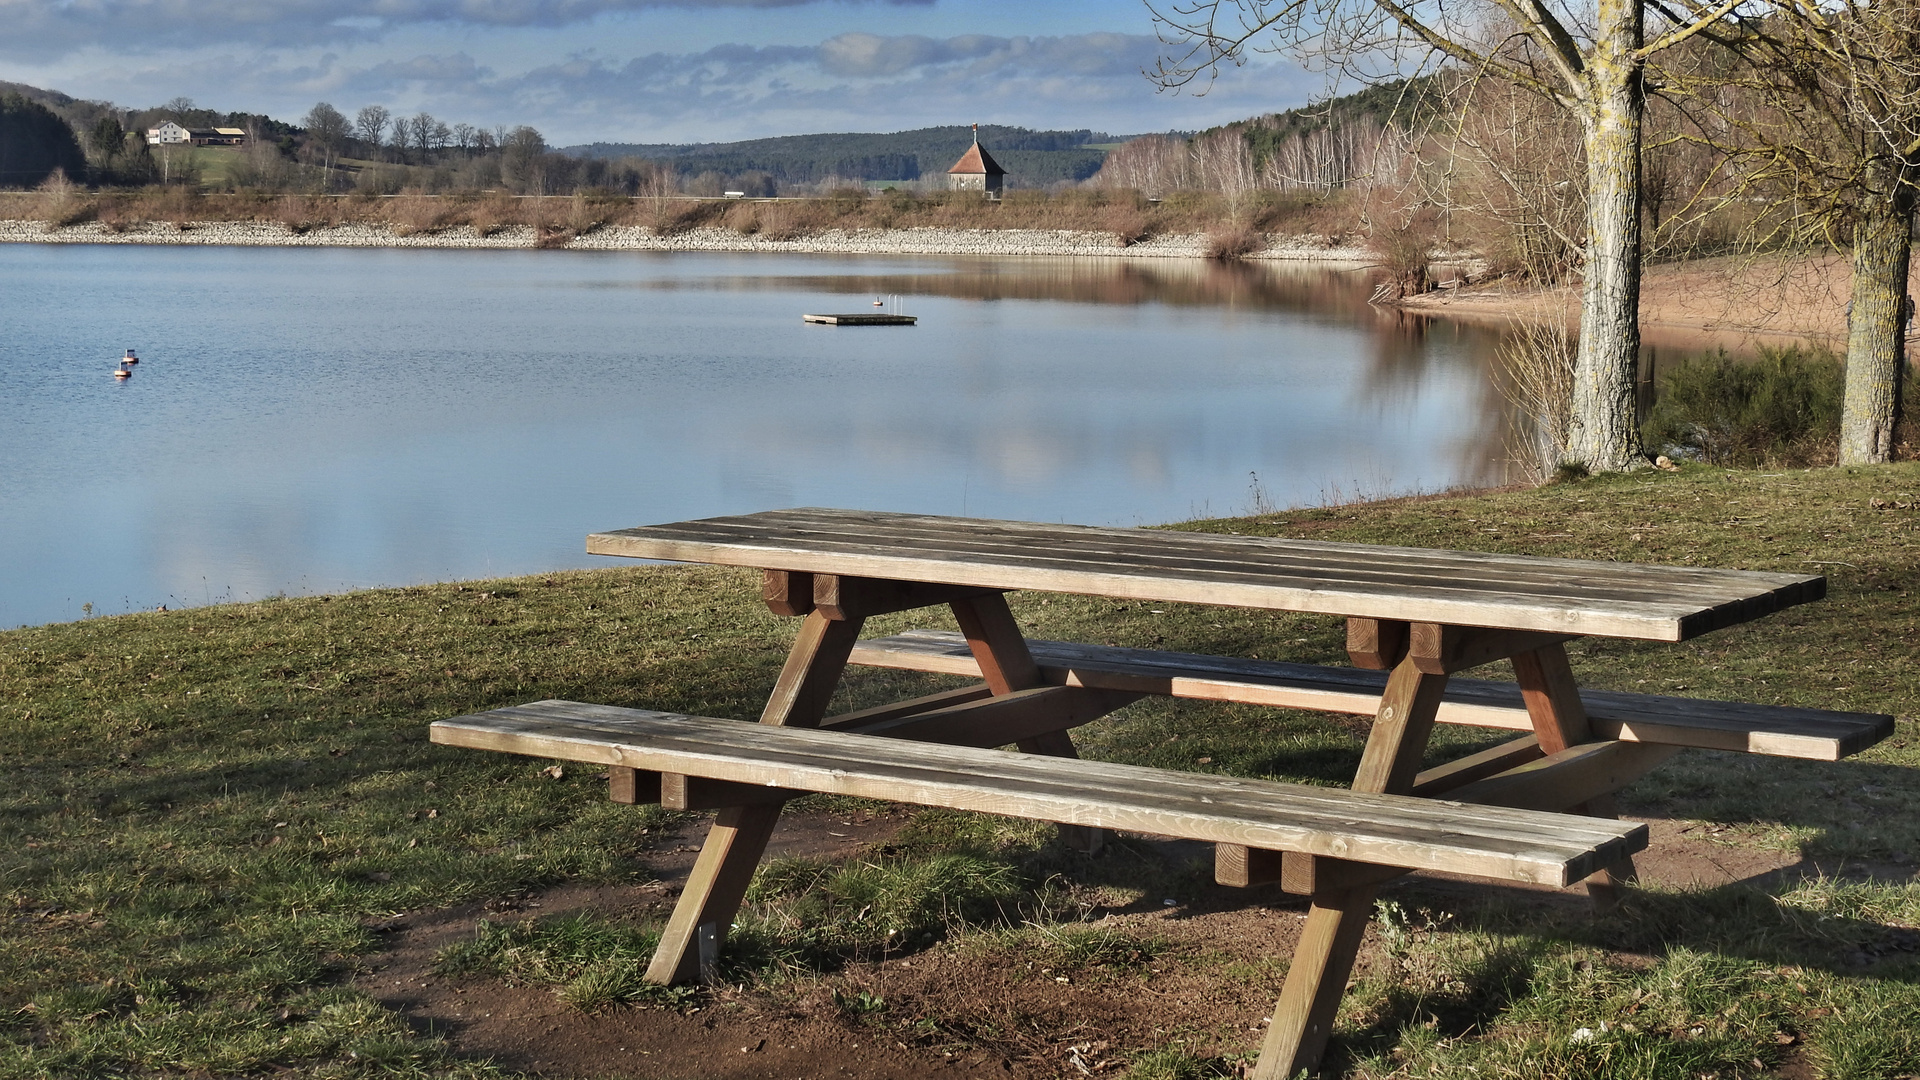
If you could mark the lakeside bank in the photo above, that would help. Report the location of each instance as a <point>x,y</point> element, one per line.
<point>908,241</point>
<point>1738,303</point>
<point>230,762</point>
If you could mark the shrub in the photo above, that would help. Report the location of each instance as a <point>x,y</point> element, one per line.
<point>1780,410</point>
<point>1233,243</point>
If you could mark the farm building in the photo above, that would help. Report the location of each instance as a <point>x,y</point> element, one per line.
<point>169,133</point>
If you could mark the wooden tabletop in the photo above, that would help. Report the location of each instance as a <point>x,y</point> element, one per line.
<point>1465,588</point>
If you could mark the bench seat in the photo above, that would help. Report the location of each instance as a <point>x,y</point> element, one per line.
<point>1388,830</point>
<point>1780,731</point>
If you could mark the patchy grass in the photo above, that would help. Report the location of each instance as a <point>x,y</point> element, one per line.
<point>209,810</point>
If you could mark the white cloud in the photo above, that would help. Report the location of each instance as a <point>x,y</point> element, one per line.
<point>40,29</point>
<point>848,82</point>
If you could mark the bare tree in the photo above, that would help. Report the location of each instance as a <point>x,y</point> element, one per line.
<point>1513,176</point>
<point>327,132</point>
<point>1590,57</point>
<point>1223,162</point>
<point>426,134</point>
<point>1819,109</point>
<point>1861,64</point>
<point>521,152</point>
<point>370,124</point>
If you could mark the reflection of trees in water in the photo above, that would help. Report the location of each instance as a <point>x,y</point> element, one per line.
<point>1259,285</point>
<point>1403,350</point>
<point>1409,348</point>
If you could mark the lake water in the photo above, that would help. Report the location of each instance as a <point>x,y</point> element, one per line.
<point>310,421</point>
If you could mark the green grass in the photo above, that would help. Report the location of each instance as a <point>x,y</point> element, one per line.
<point>210,811</point>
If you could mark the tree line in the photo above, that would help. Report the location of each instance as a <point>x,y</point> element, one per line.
<point>1599,127</point>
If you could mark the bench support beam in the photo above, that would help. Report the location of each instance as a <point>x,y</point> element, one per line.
<point>1492,761</point>
<point>1007,664</point>
<point>1017,717</point>
<point>1337,917</point>
<point>720,876</point>
<point>1560,721</point>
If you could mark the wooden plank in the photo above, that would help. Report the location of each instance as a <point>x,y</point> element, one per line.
<point>1302,875</point>
<point>1478,766</point>
<point>787,592</point>
<point>1000,649</point>
<point>1400,729</point>
<point>1342,901</point>
<point>861,532</point>
<point>997,721</point>
<point>715,887</point>
<point>1566,779</point>
<point>1368,581</point>
<point>1552,698</point>
<point>856,720</point>
<point>1561,723</point>
<point>1376,644</point>
<point>1316,980</point>
<point>1310,875</point>
<point>840,597</point>
<point>718,882</point>
<point>1385,829</point>
<point>632,787</point>
<point>812,671</point>
<point>1775,730</point>
<point>681,792</point>
<point>1443,650</point>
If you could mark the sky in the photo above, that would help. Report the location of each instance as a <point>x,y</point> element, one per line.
<point>638,70</point>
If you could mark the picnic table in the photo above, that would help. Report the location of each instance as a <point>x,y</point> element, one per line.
<point>1537,808</point>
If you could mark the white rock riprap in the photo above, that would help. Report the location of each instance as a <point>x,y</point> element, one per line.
<point>927,241</point>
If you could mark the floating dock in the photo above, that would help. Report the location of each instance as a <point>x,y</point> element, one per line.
<point>862,319</point>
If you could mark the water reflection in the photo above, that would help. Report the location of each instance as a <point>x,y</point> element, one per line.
<point>316,420</point>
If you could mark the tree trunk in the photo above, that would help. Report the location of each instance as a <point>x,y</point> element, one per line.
<point>1605,431</point>
<point>1876,320</point>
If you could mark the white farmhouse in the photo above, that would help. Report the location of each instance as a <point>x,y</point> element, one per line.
<point>172,134</point>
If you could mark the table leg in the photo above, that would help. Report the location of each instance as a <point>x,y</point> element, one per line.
<point>1337,919</point>
<point>1559,721</point>
<point>1007,664</point>
<point>720,876</point>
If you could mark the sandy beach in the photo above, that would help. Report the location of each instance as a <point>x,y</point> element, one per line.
<point>1738,303</point>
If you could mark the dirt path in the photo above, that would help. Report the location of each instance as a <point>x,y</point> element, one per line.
<point>978,1012</point>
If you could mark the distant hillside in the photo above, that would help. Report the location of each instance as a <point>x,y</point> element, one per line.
<point>34,141</point>
<point>1031,158</point>
<point>1403,103</point>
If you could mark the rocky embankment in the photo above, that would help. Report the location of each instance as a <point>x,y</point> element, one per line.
<point>624,238</point>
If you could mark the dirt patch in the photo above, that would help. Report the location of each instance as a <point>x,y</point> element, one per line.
<point>1201,975</point>
<point>735,1036</point>
<point>1730,303</point>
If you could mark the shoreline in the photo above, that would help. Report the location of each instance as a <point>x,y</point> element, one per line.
<point>1734,302</point>
<point>912,241</point>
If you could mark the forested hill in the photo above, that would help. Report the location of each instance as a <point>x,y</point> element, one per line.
<point>1030,157</point>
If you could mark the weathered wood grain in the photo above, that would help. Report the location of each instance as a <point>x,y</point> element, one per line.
<point>1556,596</point>
<point>1389,830</point>
<point>1492,761</point>
<point>1774,730</point>
<point>1567,779</point>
